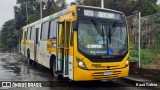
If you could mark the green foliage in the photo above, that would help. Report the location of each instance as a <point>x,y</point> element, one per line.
<point>146,56</point>
<point>156,18</point>
<point>33,8</point>
<point>96,3</point>
<point>20,19</point>
<point>9,35</point>
<point>149,8</point>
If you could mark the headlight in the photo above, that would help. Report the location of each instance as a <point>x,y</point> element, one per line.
<point>127,63</point>
<point>53,44</point>
<point>81,64</point>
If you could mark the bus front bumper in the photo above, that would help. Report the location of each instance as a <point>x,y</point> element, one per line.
<point>85,75</point>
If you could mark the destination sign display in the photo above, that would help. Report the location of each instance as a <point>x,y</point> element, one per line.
<point>101,14</point>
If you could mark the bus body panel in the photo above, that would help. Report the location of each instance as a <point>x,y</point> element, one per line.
<point>44,54</point>
<point>31,48</point>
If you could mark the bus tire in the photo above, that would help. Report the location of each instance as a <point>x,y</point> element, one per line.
<point>53,65</point>
<point>29,60</point>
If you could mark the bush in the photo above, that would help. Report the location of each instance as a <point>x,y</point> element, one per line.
<point>146,55</point>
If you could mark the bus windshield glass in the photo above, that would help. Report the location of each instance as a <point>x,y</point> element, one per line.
<point>102,38</point>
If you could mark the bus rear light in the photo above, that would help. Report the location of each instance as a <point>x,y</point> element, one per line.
<point>81,64</point>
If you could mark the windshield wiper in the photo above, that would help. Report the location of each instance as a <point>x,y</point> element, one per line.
<point>110,32</point>
<point>109,35</point>
<point>98,28</point>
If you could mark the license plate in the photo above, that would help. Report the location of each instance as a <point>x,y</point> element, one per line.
<point>107,73</point>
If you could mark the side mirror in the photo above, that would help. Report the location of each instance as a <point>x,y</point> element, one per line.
<point>75,25</point>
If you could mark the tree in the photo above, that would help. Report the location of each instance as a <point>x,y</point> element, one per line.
<point>96,3</point>
<point>9,35</point>
<point>52,7</point>
<point>150,7</point>
<point>21,15</point>
<point>49,7</point>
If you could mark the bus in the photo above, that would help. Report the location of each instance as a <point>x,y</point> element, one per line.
<point>80,43</point>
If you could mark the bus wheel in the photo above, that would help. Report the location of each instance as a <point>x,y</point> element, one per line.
<point>53,66</point>
<point>54,70</point>
<point>29,60</point>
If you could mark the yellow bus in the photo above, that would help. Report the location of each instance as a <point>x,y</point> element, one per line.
<point>80,43</point>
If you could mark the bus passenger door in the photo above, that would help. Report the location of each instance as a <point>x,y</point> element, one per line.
<point>36,44</point>
<point>67,30</point>
<point>62,48</point>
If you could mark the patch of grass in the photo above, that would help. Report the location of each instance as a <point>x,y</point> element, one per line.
<point>147,56</point>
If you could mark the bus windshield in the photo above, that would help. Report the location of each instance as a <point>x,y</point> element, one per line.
<point>102,38</point>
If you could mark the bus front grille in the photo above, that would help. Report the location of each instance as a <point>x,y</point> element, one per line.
<point>102,75</point>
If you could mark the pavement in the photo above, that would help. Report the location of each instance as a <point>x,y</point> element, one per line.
<point>137,78</point>
<point>142,81</point>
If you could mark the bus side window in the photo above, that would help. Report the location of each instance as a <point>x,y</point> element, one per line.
<point>28,33</point>
<point>68,27</point>
<point>23,35</point>
<point>44,31</point>
<point>73,28</point>
<point>37,35</point>
<point>53,27</point>
<point>32,33</point>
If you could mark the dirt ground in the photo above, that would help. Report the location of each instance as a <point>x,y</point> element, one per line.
<point>154,65</point>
